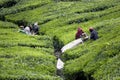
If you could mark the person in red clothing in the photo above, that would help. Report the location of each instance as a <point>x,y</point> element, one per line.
<point>79,33</point>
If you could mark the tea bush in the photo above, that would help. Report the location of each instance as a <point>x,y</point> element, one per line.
<point>23,5</point>
<point>25,57</point>
<point>32,57</point>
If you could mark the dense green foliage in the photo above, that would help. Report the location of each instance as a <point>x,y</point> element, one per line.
<point>25,57</point>
<point>32,57</point>
<point>22,5</point>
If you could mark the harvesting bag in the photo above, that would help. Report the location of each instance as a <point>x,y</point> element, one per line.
<point>71,44</point>
<point>60,64</point>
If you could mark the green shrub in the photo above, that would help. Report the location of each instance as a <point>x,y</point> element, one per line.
<point>32,57</point>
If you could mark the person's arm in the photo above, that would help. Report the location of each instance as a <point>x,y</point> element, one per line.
<point>92,35</point>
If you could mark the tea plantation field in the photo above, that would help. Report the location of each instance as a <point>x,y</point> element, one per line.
<point>26,57</point>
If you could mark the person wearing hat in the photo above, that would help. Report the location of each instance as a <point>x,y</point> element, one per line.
<point>35,28</point>
<point>93,33</point>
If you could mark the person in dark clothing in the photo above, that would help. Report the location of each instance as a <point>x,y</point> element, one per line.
<point>31,28</point>
<point>35,29</point>
<point>93,34</point>
<point>79,33</point>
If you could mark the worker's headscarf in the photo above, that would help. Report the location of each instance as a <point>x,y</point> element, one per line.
<point>79,30</point>
<point>91,29</point>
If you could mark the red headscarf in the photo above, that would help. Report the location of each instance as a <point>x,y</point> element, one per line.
<point>79,33</point>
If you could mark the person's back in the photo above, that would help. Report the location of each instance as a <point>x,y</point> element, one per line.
<point>27,30</point>
<point>94,34</point>
<point>36,28</point>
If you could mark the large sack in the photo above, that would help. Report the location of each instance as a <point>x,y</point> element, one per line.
<point>71,44</point>
<point>60,64</point>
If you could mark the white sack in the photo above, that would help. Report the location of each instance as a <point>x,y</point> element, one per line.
<point>71,44</point>
<point>60,64</point>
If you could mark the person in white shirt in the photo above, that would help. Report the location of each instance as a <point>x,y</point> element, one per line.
<point>27,30</point>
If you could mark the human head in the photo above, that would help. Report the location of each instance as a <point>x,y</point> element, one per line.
<point>21,27</point>
<point>91,29</point>
<point>79,29</point>
<point>36,23</point>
